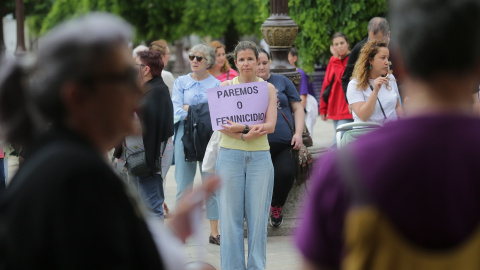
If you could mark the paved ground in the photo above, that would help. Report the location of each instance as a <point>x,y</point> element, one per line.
<point>281,253</point>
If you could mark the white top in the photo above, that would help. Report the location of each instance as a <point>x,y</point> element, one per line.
<point>168,79</point>
<point>388,98</point>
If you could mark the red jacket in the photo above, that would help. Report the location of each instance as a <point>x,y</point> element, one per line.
<point>337,107</point>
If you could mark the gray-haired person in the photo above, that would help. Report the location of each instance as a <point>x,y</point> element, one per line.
<point>66,208</point>
<point>406,195</point>
<point>191,90</point>
<point>378,29</point>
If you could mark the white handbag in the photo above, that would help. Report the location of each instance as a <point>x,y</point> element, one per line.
<point>211,153</point>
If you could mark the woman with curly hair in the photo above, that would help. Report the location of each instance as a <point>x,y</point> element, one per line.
<point>221,70</point>
<point>373,92</point>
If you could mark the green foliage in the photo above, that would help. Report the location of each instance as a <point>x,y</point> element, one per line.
<point>212,17</point>
<point>153,19</point>
<point>318,20</point>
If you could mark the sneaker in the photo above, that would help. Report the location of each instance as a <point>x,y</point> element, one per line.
<point>276,216</point>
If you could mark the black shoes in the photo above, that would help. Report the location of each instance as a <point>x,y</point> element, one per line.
<point>214,240</point>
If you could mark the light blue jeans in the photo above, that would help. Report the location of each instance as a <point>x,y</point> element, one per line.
<point>246,192</point>
<point>185,173</point>
<point>337,123</point>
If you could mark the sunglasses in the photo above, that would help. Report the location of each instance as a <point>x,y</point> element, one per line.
<point>199,58</point>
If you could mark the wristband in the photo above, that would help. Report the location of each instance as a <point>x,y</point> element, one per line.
<point>246,130</point>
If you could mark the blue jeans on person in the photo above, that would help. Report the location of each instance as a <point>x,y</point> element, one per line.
<point>151,192</point>
<point>246,192</point>
<point>337,123</point>
<point>185,173</point>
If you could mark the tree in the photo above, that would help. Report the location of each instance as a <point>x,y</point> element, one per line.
<point>318,20</point>
<point>231,19</point>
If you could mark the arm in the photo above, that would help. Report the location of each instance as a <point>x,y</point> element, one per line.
<point>178,101</point>
<point>326,82</point>
<point>271,116</point>
<point>149,134</point>
<point>303,89</point>
<point>299,115</point>
<point>304,100</point>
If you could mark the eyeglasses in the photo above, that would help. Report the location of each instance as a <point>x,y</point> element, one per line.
<point>141,65</point>
<point>199,58</point>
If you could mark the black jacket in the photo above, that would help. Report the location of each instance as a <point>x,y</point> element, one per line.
<point>157,119</point>
<point>67,209</point>
<point>197,132</point>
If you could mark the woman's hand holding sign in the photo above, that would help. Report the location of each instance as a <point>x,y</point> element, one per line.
<point>234,127</point>
<point>255,130</point>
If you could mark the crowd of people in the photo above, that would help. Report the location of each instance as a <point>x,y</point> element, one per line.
<point>372,205</point>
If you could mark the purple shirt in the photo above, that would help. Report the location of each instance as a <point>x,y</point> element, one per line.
<point>305,84</point>
<point>423,174</point>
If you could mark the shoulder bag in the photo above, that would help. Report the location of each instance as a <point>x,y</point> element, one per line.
<point>302,157</point>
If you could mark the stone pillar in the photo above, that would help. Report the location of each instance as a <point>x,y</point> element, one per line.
<point>20,50</point>
<point>280,32</point>
<point>179,66</point>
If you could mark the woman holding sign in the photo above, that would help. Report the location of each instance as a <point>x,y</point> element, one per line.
<point>245,165</point>
<point>190,90</point>
<point>287,135</point>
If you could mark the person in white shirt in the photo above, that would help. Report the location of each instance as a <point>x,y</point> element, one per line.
<point>373,92</point>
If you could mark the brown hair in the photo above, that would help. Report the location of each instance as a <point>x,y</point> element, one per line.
<point>362,66</point>
<point>342,35</point>
<point>217,44</point>
<point>159,46</point>
<point>152,59</point>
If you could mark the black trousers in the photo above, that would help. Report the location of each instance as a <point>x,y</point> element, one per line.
<point>283,160</point>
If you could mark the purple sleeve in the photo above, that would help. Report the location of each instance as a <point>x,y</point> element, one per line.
<point>303,82</point>
<point>320,234</point>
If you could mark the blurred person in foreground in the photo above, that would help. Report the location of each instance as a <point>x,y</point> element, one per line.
<point>65,208</point>
<point>405,196</point>
<point>221,70</point>
<point>162,47</point>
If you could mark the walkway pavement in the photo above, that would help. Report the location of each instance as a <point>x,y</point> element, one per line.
<point>281,252</point>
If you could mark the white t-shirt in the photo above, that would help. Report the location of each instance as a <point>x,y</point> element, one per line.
<point>168,79</point>
<point>388,98</point>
